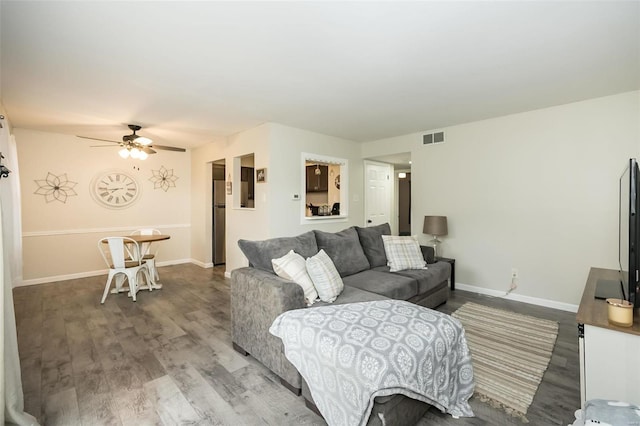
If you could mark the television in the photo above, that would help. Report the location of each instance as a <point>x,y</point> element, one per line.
<point>629,233</point>
<point>628,285</point>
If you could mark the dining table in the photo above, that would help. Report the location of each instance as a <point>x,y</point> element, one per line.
<point>140,239</point>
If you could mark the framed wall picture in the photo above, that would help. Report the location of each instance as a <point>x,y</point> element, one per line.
<point>261,175</point>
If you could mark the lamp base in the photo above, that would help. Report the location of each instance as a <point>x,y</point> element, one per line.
<point>435,243</point>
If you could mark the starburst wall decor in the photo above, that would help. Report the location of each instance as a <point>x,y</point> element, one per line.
<point>55,188</point>
<point>163,179</point>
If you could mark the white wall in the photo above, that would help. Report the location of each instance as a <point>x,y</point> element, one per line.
<point>240,222</point>
<point>279,149</point>
<point>60,239</point>
<point>287,146</point>
<point>537,191</point>
<point>248,223</point>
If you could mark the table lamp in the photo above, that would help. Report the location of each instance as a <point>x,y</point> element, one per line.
<point>435,226</point>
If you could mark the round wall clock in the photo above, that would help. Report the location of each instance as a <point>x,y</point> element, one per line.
<point>115,189</point>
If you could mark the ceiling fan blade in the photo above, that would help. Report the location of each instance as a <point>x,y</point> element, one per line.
<point>168,148</point>
<point>148,150</point>
<point>100,146</point>
<point>97,139</point>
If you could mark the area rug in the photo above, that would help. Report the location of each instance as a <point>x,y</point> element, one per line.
<point>510,353</point>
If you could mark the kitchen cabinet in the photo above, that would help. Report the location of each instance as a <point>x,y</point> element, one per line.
<point>317,183</point>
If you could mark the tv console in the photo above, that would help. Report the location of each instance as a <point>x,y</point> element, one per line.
<point>609,355</point>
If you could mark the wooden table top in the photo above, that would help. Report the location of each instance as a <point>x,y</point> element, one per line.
<point>593,311</point>
<point>148,238</point>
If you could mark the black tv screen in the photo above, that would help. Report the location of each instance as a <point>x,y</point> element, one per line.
<point>629,232</point>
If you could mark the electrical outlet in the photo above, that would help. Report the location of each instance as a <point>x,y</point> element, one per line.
<point>514,273</point>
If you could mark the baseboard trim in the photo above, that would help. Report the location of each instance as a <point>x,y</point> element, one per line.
<point>56,278</point>
<point>202,264</point>
<point>519,297</point>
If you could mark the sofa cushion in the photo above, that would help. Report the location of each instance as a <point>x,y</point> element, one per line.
<point>293,267</point>
<point>352,295</point>
<point>427,279</point>
<point>325,276</point>
<point>403,253</point>
<point>393,286</point>
<point>344,249</point>
<point>372,245</point>
<point>260,253</point>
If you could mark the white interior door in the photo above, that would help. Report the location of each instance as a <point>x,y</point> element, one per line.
<point>378,196</point>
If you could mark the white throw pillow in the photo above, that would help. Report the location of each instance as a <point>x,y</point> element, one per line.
<point>292,267</point>
<point>403,253</point>
<point>325,276</point>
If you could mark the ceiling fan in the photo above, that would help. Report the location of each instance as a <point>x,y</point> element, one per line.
<point>135,146</point>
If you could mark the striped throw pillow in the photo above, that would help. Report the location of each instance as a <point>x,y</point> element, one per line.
<point>403,253</point>
<point>325,277</point>
<point>292,267</point>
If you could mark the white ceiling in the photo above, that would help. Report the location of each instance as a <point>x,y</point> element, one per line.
<point>191,71</point>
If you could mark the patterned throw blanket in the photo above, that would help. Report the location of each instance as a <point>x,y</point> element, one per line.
<point>351,353</point>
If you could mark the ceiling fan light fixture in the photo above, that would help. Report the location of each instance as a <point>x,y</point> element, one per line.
<point>134,146</point>
<point>143,141</point>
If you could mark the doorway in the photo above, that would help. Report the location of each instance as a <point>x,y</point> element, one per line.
<point>404,203</point>
<point>375,197</point>
<point>219,212</point>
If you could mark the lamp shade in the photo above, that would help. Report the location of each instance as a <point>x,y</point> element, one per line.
<point>435,225</point>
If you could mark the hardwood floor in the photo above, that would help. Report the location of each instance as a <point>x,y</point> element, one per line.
<point>167,359</point>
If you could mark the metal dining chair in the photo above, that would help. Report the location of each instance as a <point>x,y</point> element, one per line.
<point>122,256</point>
<point>149,251</point>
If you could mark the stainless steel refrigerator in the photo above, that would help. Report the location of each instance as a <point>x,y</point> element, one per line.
<point>218,222</point>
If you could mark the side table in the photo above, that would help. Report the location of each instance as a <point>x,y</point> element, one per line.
<point>452,262</point>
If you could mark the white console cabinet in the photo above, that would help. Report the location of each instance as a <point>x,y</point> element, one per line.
<point>609,355</point>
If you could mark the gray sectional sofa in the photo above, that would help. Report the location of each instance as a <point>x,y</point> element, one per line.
<point>258,295</point>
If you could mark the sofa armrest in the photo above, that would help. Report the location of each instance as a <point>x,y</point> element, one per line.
<point>428,254</point>
<point>257,298</point>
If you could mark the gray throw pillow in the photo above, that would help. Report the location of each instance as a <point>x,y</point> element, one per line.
<point>344,250</point>
<point>260,253</point>
<point>371,241</point>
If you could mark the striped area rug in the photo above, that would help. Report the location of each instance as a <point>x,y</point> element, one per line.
<point>510,353</point>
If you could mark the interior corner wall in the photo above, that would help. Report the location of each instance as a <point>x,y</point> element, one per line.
<point>241,223</point>
<point>202,199</point>
<point>285,180</point>
<point>60,237</point>
<point>536,191</point>
<point>279,149</point>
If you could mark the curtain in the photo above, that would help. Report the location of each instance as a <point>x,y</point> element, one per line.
<point>11,272</point>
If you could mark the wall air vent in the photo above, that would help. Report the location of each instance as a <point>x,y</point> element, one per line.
<point>432,138</point>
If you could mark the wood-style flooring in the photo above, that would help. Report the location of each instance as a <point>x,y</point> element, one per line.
<point>167,359</point>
